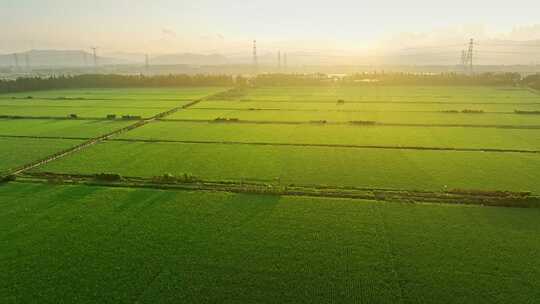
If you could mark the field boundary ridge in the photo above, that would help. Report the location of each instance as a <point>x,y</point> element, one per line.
<point>349,123</point>
<point>451,196</point>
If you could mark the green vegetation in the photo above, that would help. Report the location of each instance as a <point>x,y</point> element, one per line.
<point>94,244</point>
<point>100,103</point>
<point>370,168</point>
<point>148,96</point>
<point>15,152</point>
<point>371,93</point>
<point>123,242</point>
<point>58,128</point>
<point>461,138</point>
<point>416,105</point>
<point>257,152</point>
<point>82,112</point>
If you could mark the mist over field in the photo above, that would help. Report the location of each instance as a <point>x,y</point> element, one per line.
<point>209,32</point>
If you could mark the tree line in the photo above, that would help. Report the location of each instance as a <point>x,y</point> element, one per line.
<point>132,81</point>
<point>532,81</point>
<point>112,81</point>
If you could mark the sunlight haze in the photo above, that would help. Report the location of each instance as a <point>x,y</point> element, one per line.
<point>205,26</point>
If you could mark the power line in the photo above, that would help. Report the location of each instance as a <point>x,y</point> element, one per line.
<point>507,52</point>
<point>512,44</point>
<point>432,47</point>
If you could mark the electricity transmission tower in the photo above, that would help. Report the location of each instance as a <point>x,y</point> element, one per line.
<point>470,55</point>
<point>467,57</point>
<point>255,59</point>
<point>94,53</point>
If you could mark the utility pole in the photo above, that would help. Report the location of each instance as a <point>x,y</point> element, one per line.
<point>85,59</point>
<point>255,59</point>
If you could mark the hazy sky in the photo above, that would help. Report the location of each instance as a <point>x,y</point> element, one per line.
<point>229,26</point>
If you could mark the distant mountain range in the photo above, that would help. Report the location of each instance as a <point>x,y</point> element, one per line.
<point>488,52</point>
<point>63,58</point>
<point>55,58</point>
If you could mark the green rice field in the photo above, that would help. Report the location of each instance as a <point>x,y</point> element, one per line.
<point>108,245</point>
<point>377,93</point>
<point>367,168</point>
<point>16,152</point>
<point>439,137</point>
<point>98,103</point>
<point>161,94</point>
<point>98,225</point>
<point>58,128</point>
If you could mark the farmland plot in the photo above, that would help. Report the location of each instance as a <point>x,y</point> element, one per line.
<point>89,244</point>
<point>58,128</point>
<point>375,93</point>
<point>368,168</point>
<point>81,112</point>
<point>161,94</point>
<point>15,152</point>
<point>437,137</point>
<point>140,245</point>
<point>96,103</point>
